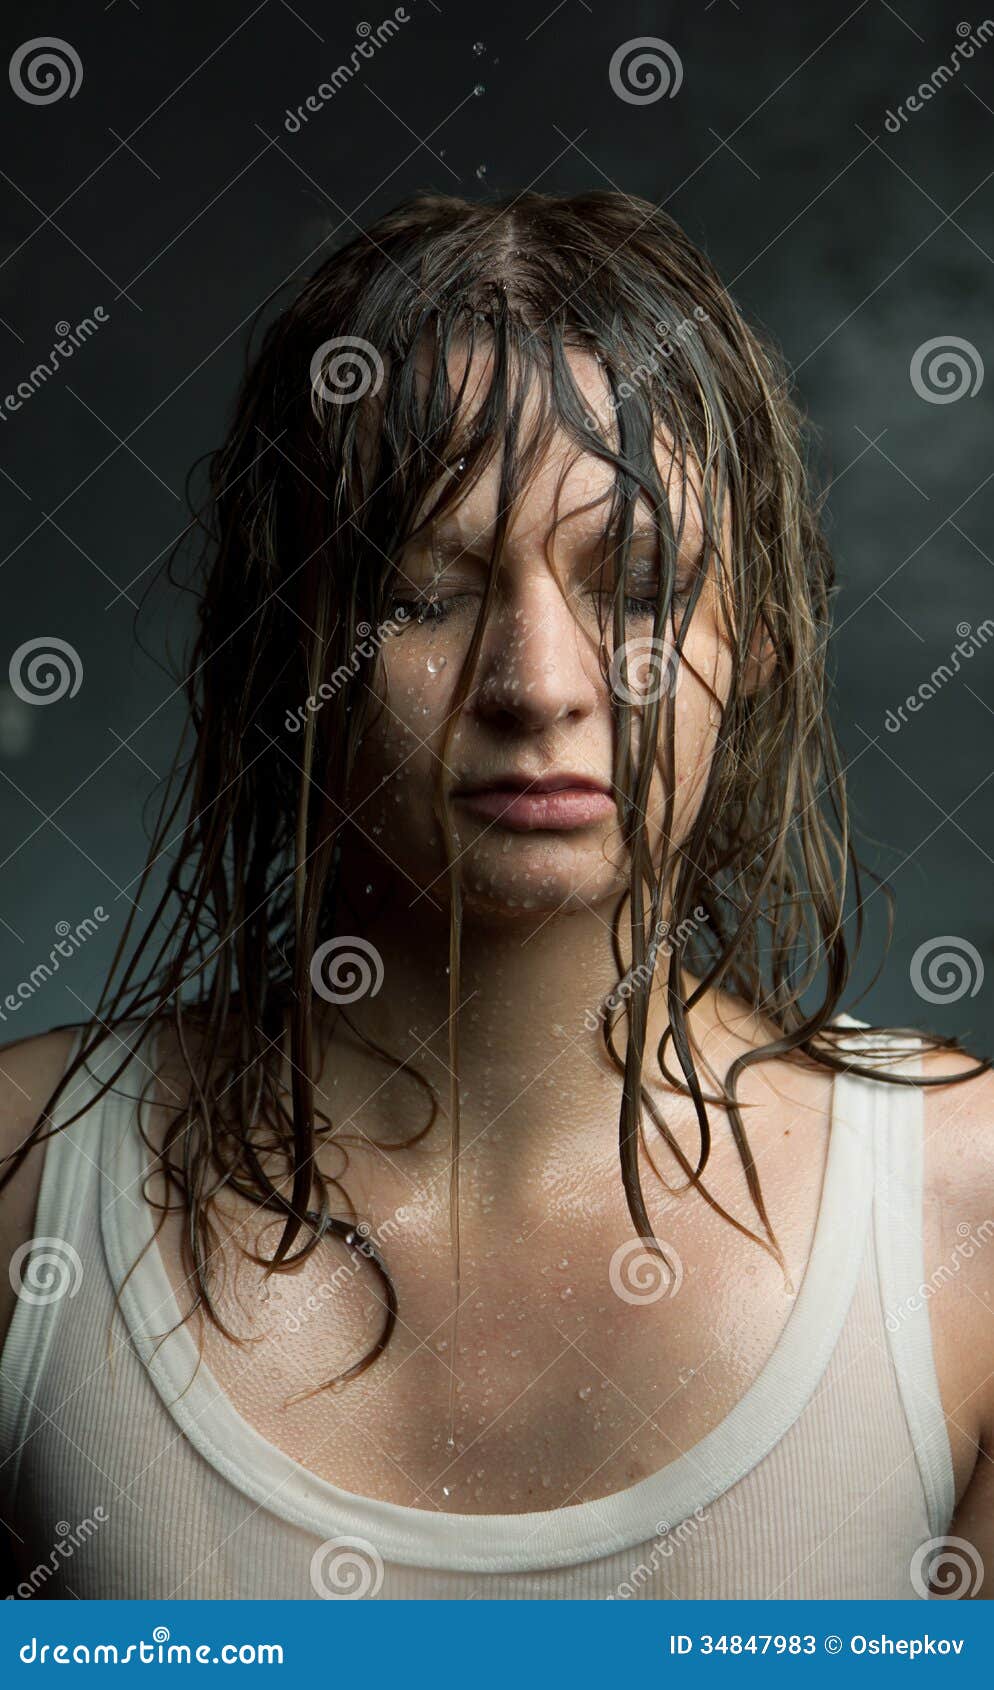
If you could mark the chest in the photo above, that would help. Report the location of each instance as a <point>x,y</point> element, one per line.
<point>580,1361</point>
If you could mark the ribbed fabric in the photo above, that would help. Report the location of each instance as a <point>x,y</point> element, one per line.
<point>822,1482</point>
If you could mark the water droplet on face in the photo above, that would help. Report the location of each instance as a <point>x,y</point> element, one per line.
<point>435,665</point>
<point>566,1293</point>
<point>584,1392</point>
<point>446,1490</point>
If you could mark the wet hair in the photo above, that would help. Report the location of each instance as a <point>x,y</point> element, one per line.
<point>339,452</point>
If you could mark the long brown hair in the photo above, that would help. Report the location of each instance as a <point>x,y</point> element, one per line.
<point>334,451</point>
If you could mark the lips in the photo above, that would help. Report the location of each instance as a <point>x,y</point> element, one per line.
<point>534,784</point>
<point>551,803</point>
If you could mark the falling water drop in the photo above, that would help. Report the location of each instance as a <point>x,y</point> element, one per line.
<point>481,171</point>
<point>479,89</point>
<point>478,48</point>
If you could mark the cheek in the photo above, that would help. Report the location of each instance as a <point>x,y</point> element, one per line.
<point>412,700</point>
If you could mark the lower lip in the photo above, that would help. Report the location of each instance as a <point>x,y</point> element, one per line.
<point>568,807</point>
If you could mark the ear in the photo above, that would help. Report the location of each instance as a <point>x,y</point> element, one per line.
<point>762,660</point>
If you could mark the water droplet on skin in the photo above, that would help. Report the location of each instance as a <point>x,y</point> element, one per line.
<point>435,666</point>
<point>566,1293</point>
<point>446,1490</point>
<point>584,1392</point>
<point>565,1262</point>
<point>515,1352</point>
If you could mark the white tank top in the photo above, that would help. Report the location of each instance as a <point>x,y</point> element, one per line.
<point>823,1481</point>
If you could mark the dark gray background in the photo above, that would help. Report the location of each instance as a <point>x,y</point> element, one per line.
<point>167,191</point>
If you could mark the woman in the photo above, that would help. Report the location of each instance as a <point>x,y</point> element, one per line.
<point>544,1230</point>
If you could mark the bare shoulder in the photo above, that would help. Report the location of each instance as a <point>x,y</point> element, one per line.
<point>30,1070</point>
<point>959,1284</point>
<point>959,1145</point>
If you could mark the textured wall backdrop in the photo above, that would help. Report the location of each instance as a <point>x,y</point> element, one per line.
<point>834,162</point>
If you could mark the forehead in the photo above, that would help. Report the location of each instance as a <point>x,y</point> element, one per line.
<point>569,488</point>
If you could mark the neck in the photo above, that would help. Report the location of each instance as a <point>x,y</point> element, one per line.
<point>530,1056</point>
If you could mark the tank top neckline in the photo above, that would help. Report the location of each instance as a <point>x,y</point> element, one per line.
<point>429,1538</point>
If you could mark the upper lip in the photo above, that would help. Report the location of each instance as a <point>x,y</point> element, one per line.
<point>533,783</point>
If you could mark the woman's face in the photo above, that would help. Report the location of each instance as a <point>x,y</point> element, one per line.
<point>539,709</point>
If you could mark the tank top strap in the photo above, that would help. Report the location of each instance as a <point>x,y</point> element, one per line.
<point>48,1267</point>
<point>898,1114</point>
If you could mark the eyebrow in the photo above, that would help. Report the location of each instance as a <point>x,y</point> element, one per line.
<point>449,540</point>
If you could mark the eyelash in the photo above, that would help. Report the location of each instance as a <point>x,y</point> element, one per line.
<point>633,607</point>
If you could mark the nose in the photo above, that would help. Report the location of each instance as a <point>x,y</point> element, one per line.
<point>536,664</point>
